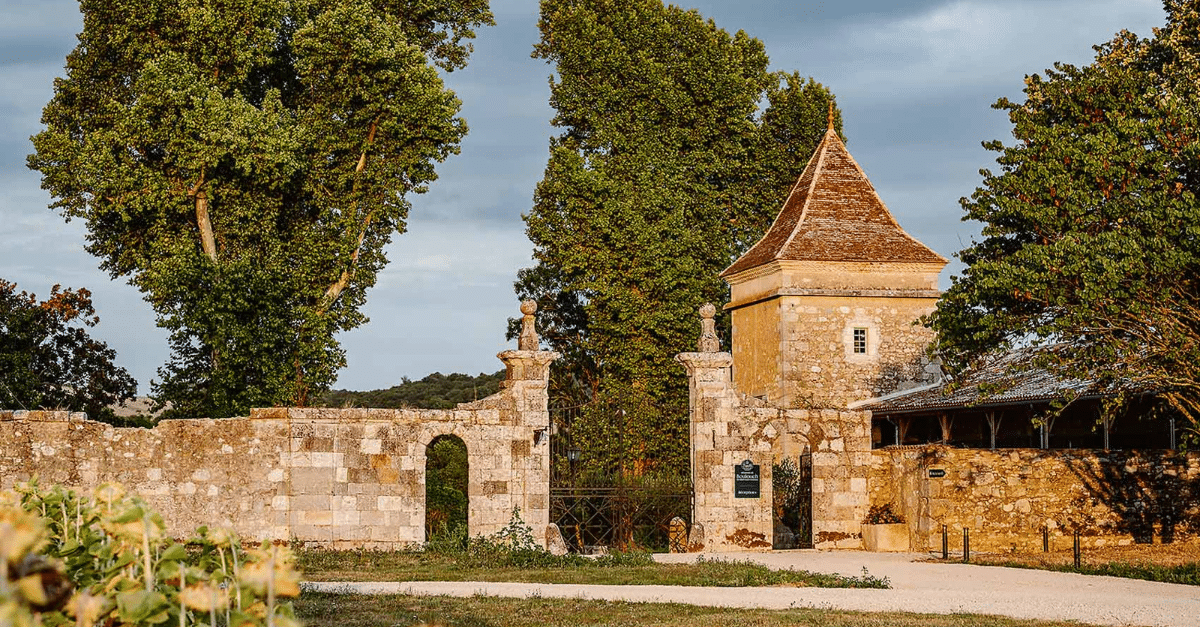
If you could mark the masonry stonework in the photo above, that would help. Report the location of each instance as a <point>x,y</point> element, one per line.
<point>824,307</point>
<point>333,477</point>
<point>1007,497</point>
<point>728,427</point>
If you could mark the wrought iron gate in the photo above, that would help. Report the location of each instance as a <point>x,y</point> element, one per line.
<point>598,500</point>
<point>804,539</point>
<point>792,487</point>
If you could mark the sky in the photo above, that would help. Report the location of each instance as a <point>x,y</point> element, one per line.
<point>915,80</point>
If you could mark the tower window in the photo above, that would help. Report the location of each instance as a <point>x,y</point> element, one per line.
<point>860,341</point>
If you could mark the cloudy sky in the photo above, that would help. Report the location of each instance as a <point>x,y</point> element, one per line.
<point>914,78</point>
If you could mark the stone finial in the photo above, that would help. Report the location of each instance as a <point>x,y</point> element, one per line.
<point>709,343</point>
<point>528,340</point>
<point>829,123</point>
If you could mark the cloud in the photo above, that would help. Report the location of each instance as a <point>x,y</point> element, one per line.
<point>966,44</point>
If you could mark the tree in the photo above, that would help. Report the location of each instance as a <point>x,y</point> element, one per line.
<point>245,163</point>
<point>1091,236</point>
<point>435,391</point>
<point>663,174</point>
<point>47,359</point>
<point>446,486</point>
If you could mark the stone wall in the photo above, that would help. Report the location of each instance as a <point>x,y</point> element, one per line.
<point>1006,497</point>
<point>818,364</point>
<point>793,330</point>
<point>334,477</point>
<point>728,427</point>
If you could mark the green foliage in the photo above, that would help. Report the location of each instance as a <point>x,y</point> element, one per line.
<point>244,164</point>
<point>786,491</point>
<point>445,486</point>
<point>663,174</point>
<point>1091,229</point>
<point>435,391</point>
<point>125,571</point>
<point>47,359</point>
<point>882,515</point>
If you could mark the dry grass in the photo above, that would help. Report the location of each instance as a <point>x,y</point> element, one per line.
<point>1176,554</point>
<point>1172,563</point>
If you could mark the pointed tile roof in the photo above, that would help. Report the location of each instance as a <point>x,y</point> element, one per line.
<point>834,214</point>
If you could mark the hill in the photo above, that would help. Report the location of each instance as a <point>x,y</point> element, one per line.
<point>436,391</point>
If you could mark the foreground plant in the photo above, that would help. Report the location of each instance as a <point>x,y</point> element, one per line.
<point>114,551</point>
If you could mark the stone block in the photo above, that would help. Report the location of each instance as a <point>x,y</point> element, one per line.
<point>312,480</point>
<point>316,518</point>
<point>390,503</point>
<point>371,518</point>
<point>554,540</point>
<point>346,517</point>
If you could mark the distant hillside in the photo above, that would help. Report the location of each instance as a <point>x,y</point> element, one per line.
<point>436,391</point>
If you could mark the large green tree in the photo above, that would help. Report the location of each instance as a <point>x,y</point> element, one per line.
<point>665,170</point>
<point>47,358</point>
<point>244,163</point>
<point>1091,228</point>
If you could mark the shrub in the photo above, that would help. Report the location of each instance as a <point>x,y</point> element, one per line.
<point>882,515</point>
<point>113,551</point>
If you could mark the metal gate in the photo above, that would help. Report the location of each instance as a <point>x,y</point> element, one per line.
<point>599,499</point>
<point>804,539</point>
<point>792,486</point>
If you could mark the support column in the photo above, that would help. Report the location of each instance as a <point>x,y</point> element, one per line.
<point>721,438</point>
<point>527,384</point>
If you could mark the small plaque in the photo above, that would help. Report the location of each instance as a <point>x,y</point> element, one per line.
<point>746,480</point>
<point>937,473</point>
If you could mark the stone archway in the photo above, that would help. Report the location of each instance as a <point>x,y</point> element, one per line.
<point>447,481</point>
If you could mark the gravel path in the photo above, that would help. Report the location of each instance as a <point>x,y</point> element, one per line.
<point>916,587</point>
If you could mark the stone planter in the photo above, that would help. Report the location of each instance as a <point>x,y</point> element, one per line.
<point>892,538</point>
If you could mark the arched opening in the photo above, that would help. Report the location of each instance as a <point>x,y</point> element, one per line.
<point>446,495</point>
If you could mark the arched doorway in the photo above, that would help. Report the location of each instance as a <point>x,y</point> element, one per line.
<point>446,495</point>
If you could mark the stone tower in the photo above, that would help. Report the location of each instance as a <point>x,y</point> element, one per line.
<point>824,304</point>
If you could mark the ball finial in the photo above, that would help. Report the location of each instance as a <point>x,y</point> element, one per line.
<point>528,340</point>
<point>708,330</point>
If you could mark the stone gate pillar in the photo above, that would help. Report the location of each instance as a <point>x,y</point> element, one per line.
<point>722,437</point>
<point>527,383</point>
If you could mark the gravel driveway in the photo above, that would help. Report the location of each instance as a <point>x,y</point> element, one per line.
<point>916,587</point>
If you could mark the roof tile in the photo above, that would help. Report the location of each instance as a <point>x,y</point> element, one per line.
<point>834,214</point>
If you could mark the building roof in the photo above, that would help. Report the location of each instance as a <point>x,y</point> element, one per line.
<point>1007,380</point>
<point>834,214</point>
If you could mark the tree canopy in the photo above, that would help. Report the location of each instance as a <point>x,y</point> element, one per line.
<point>434,391</point>
<point>1091,228</point>
<point>47,359</point>
<point>664,172</point>
<point>245,163</point>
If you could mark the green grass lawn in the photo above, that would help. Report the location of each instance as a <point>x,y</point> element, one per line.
<point>336,610</point>
<point>541,567</point>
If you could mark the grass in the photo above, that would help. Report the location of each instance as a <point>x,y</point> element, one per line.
<point>338,610</point>
<point>541,567</point>
<point>1188,574</point>
<point>1177,562</point>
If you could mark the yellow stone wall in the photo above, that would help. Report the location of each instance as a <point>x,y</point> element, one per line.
<point>818,365</point>
<point>756,332</point>
<point>793,325</point>
<point>1007,496</point>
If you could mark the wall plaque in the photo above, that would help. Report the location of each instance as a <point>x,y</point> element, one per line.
<point>937,473</point>
<point>746,480</point>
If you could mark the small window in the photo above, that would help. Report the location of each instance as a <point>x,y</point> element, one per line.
<point>860,341</point>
